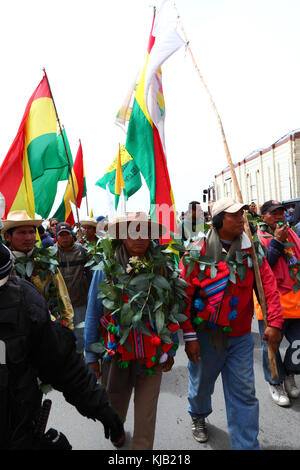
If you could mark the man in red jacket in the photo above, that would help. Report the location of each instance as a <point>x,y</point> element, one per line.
<point>223,342</point>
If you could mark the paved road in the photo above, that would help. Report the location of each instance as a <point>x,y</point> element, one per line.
<point>279,427</point>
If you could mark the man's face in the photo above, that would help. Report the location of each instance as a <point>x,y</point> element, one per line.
<point>90,232</point>
<point>136,247</point>
<point>272,218</point>
<point>233,225</point>
<point>65,239</point>
<point>252,207</point>
<point>22,238</point>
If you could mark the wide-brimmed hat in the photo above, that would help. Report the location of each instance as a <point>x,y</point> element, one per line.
<point>227,205</point>
<point>18,219</point>
<point>136,225</point>
<point>89,221</point>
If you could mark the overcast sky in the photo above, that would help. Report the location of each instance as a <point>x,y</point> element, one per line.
<point>247,51</point>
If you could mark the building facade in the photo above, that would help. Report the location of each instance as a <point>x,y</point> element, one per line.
<point>271,173</point>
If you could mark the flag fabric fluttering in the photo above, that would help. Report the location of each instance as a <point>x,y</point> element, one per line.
<point>33,166</point>
<point>64,212</point>
<point>124,113</point>
<point>131,175</point>
<point>120,204</point>
<point>63,146</point>
<point>145,138</point>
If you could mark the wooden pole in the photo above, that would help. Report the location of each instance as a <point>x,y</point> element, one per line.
<point>261,294</point>
<point>69,164</point>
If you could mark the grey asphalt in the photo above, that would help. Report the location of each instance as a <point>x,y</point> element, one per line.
<point>279,427</point>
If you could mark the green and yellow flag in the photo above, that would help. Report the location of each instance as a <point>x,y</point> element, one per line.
<point>33,166</point>
<point>131,175</point>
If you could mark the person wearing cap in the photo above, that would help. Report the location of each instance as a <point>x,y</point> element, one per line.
<point>120,383</point>
<point>225,344</point>
<point>273,234</point>
<point>72,259</point>
<point>38,348</point>
<point>19,231</point>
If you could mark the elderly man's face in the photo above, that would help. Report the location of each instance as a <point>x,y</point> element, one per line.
<point>136,247</point>
<point>273,218</point>
<point>22,238</point>
<point>233,225</point>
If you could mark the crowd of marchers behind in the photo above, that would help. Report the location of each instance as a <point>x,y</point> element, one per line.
<point>51,313</point>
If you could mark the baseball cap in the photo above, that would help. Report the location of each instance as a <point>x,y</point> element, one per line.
<point>227,205</point>
<point>63,227</point>
<point>270,206</point>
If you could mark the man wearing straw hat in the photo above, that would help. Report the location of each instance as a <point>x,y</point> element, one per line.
<point>218,337</point>
<point>19,231</point>
<point>132,235</point>
<point>89,226</point>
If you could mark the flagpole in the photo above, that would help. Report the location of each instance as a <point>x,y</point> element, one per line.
<point>69,164</point>
<point>262,299</point>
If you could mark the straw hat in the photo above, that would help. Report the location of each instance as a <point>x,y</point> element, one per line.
<point>136,225</point>
<point>89,221</point>
<point>18,219</point>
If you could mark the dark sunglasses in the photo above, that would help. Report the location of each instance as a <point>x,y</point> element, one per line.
<point>52,225</point>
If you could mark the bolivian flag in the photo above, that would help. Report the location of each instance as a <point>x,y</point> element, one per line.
<point>131,175</point>
<point>145,139</point>
<point>33,166</point>
<point>64,212</point>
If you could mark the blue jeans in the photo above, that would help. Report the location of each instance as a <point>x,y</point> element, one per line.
<point>235,363</point>
<point>290,364</point>
<point>79,317</point>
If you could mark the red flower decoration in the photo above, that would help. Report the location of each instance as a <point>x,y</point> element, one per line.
<point>155,340</point>
<point>125,298</point>
<point>222,266</point>
<point>173,327</point>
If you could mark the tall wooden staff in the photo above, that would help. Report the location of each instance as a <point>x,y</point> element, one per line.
<point>69,164</point>
<point>261,294</point>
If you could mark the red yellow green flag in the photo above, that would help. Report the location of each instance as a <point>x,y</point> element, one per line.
<point>33,166</point>
<point>145,140</point>
<point>64,212</point>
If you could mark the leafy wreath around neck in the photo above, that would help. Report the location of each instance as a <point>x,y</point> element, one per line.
<point>143,304</point>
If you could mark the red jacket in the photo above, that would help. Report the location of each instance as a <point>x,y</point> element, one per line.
<point>244,291</point>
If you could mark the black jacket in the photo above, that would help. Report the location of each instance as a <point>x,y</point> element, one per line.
<point>37,347</point>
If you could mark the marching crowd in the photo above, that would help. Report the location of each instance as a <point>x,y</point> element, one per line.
<point>59,330</point>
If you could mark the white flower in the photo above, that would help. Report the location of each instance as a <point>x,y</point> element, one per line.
<point>129,268</point>
<point>134,259</point>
